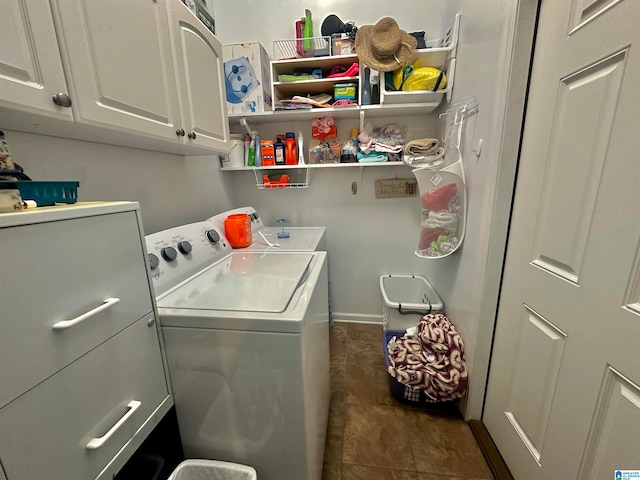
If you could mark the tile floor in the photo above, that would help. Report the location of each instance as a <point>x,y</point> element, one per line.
<point>373,437</point>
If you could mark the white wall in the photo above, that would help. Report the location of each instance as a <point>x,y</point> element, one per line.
<point>241,21</point>
<point>368,237</point>
<point>172,190</point>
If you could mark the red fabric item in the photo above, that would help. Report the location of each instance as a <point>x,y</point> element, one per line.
<point>432,361</point>
<point>439,198</point>
<point>428,235</point>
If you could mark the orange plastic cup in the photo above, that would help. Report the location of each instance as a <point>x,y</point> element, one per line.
<point>237,229</point>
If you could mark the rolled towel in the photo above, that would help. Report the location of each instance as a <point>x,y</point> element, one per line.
<point>428,235</point>
<point>422,146</point>
<point>443,219</point>
<point>439,198</point>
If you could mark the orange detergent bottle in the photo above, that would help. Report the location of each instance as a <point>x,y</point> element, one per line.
<point>290,151</point>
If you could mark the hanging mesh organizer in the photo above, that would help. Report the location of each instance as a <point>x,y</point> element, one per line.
<point>443,193</point>
<point>443,202</point>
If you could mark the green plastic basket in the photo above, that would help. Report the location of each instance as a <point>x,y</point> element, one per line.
<point>47,193</point>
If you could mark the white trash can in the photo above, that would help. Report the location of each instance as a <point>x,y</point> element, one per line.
<point>212,470</point>
<point>406,299</point>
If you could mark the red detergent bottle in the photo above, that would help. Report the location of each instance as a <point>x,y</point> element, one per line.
<point>290,151</point>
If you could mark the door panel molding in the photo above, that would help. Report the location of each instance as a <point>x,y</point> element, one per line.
<point>617,414</point>
<point>582,127</point>
<point>537,365</point>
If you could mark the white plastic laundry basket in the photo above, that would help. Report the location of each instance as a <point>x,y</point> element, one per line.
<point>406,299</point>
<point>212,470</point>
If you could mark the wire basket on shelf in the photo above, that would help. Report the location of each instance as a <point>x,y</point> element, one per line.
<point>302,48</point>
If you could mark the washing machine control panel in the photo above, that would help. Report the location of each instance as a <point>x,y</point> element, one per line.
<point>178,253</point>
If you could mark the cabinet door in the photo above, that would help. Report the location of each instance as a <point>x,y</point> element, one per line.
<point>87,263</point>
<point>118,60</point>
<point>71,426</point>
<point>199,66</point>
<point>30,65</point>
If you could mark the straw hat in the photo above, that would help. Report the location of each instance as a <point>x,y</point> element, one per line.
<point>383,46</point>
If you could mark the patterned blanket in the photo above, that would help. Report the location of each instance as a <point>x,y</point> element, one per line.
<point>432,360</point>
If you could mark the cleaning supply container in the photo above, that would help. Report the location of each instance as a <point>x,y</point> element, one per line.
<point>290,153</point>
<point>237,229</point>
<point>237,155</point>
<point>406,299</point>
<point>212,470</point>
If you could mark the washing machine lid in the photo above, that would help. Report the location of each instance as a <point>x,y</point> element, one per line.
<point>261,282</point>
<point>300,238</point>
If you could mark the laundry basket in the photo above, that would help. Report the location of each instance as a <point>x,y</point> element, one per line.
<point>402,393</point>
<point>406,299</point>
<point>212,470</point>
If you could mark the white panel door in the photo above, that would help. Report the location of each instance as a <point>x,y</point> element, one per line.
<point>563,400</point>
<point>199,66</point>
<point>30,65</point>
<point>119,63</point>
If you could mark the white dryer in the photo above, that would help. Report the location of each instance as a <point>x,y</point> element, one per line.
<point>247,343</point>
<point>298,238</point>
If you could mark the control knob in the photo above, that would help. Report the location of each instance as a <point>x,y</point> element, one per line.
<point>185,247</point>
<point>212,236</point>
<point>154,261</point>
<point>169,254</point>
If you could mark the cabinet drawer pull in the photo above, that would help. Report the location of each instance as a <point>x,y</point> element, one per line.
<point>64,324</point>
<point>97,442</point>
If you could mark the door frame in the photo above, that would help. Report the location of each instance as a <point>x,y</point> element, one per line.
<point>515,79</point>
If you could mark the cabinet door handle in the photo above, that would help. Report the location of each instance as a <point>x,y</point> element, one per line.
<point>180,132</point>
<point>97,442</point>
<point>64,324</point>
<point>191,135</point>
<point>62,100</point>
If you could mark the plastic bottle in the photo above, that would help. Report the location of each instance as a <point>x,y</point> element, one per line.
<point>290,154</point>
<point>247,144</point>
<point>258,159</point>
<point>300,149</point>
<point>251,160</point>
<point>278,147</point>
<point>350,149</point>
<point>366,87</point>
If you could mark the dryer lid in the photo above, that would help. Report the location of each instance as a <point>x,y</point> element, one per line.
<point>262,282</point>
<point>300,238</point>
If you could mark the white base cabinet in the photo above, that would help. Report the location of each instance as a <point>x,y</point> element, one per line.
<point>83,385</point>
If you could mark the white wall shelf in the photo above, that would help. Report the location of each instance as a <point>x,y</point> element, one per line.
<point>314,166</point>
<point>369,111</point>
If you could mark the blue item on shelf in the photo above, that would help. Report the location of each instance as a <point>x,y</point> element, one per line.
<point>47,193</point>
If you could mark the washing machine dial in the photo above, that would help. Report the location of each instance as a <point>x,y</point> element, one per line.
<point>212,236</point>
<point>169,254</point>
<point>154,261</point>
<point>185,247</point>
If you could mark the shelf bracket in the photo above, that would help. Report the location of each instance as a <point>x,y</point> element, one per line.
<point>243,122</point>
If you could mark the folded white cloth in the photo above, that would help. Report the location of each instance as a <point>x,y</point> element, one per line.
<point>422,146</point>
<point>442,220</point>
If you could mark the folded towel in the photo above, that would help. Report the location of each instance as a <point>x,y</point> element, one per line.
<point>422,146</point>
<point>440,219</point>
<point>439,198</point>
<point>372,157</point>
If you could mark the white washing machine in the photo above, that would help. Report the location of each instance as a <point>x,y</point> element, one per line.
<point>296,238</point>
<point>247,342</point>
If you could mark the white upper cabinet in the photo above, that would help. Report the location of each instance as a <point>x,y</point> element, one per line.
<point>119,66</point>
<point>145,74</point>
<point>199,67</point>
<point>30,67</point>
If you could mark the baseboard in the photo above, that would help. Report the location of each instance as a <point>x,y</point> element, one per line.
<point>490,451</point>
<point>356,318</point>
